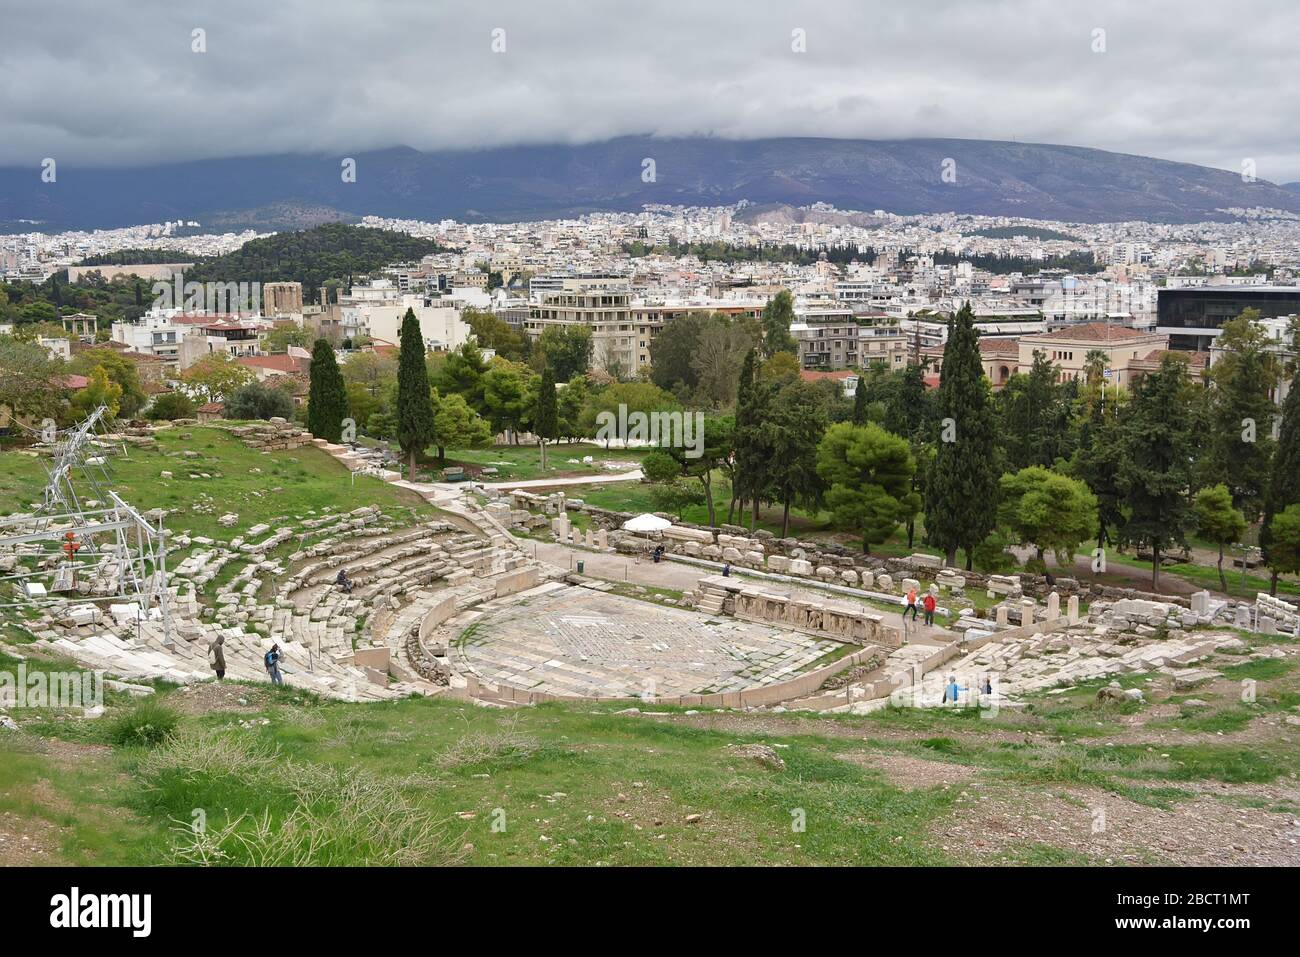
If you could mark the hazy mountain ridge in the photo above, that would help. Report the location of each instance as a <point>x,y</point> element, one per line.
<point>1068,183</point>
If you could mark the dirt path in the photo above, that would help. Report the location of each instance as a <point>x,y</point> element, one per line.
<point>34,840</point>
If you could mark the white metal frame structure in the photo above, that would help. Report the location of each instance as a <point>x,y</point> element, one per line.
<point>104,525</point>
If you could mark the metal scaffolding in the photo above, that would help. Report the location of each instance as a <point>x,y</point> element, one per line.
<point>81,517</point>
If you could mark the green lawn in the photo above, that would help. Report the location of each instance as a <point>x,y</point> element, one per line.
<point>1207,576</point>
<point>523,462</point>
<point>438,781</point>
<point>261,488</point>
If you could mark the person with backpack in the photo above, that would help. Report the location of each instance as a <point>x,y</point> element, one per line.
<point>217,656</point>
<point>951,690</point>
<point>272,662</point>
<point>930,605</point>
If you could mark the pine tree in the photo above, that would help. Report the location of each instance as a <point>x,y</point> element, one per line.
<point>1030,403</point>
<point>415,425</point>
<point>327,400</point>
<point>1238,446</point>
<point>1155,470</point>
<point>1284,481</point>
<point>546,420</point>
<point>962,486</point>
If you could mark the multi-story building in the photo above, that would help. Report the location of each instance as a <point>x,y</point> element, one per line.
<point>233,337</point>
<point>836,345</point>
<point>649,316</point>
<point>1068,349</point>
<point>377,310</point>
<point>162,333</point>
<point>604,305</point>
<point>1193,317</point>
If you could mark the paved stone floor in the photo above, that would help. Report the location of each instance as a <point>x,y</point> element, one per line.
<point>576,641</point>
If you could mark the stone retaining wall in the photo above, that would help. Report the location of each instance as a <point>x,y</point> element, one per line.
<point>817,561</point>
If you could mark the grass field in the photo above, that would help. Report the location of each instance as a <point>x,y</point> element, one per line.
<point>259,487</point>
<point>284,778</point>
<point>524,462</point>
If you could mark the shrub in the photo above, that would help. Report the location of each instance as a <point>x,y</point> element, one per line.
<point>146,725</point>
<point>258,401</point>
<point>172,405</point>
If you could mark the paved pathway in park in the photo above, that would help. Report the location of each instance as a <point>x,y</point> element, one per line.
<point>633,475</point>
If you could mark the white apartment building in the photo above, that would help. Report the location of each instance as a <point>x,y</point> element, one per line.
<point>377,311</point>
<point>162,333</point>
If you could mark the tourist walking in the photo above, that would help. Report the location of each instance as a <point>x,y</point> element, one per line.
<point>930,605</point>
<point>272,662</point>
<point>217,656</point>
<point>911,603</point>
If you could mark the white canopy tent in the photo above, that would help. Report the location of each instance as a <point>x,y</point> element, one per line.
<point>646,523</point>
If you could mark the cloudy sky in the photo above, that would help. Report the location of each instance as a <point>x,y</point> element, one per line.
<point>89,82</point>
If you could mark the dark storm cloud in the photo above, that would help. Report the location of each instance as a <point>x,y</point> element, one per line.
<point>92,82</point>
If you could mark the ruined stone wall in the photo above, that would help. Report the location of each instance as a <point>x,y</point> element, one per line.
<point>764,551</point>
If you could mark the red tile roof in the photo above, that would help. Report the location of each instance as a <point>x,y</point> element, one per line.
<point>809,375</point>
<point>277,362</point>
<point>1098,331</point>
<point>1000,347</point>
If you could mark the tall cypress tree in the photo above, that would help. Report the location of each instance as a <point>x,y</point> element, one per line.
<point>546,424</point>
<point>327,400</point>
<point>1284,481</point>
<point>1155,470</point>
<point>751,474</point>
<point>415,427</point>
<point>860,401</point>
<point>961,488</point>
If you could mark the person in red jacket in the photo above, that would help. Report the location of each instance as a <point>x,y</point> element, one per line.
<point>930,604</point>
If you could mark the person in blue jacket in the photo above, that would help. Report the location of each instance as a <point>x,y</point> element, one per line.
<point>272,662</point>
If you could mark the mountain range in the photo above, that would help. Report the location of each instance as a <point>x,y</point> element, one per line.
<point>1038,181</point>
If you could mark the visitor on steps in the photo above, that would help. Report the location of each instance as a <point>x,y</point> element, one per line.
<point>726,571</point>
<point>217,656</point>
<point>343,582</point>
<point>930,605</point>
<point>911,603</point>
<point>951,691</point>
<point>272,662</point>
